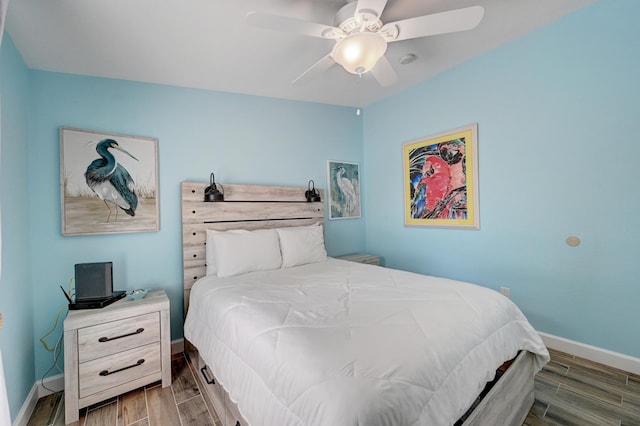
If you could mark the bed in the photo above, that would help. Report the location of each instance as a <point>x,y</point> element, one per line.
<point>332,342</point>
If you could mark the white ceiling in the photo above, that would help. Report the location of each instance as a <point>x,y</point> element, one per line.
<point>207,44</point>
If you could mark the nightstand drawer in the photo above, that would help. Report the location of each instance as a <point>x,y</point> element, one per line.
<point>117,336</point>
<point>110,371</point>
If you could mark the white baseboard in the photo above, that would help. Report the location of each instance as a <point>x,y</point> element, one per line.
<point>22,419</point>
<point>56,383</point>
<point>592,353</point>
<point>53,384</point>
<point>177,346</point>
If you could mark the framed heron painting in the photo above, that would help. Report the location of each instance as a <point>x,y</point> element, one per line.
<point>441,180</point>
<point>108,183</point>
<point>344,189</point>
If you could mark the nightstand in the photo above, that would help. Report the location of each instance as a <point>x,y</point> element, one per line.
<point>115,349</point>
<point>361,258</point>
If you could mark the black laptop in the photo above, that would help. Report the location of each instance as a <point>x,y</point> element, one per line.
<point>94,286</point>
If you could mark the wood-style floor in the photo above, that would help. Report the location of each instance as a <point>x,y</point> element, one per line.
<point>569,391</point>
<point>573,391</point>
<point>176,405</point>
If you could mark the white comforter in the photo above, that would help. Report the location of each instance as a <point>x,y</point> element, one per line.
<point>342,343</point>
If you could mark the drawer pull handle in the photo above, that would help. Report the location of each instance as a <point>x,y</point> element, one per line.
<point>206,379</point>
<point>108,339</point>
<point>107,372</point>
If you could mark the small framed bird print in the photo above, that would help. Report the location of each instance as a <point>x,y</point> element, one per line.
<point>441,180</point>
<point>108,183</point>
<point>344,189</point>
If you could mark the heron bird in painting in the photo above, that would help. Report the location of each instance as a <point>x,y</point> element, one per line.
<point>348,192</point>
<point>111,182</point>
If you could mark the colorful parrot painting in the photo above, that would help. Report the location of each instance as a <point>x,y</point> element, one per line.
<point>438,181</point>
<point>435,178</point>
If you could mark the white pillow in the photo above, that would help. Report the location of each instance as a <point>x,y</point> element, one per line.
<point>301,245</point>
<point>210,249</point>
<point>241,252</point>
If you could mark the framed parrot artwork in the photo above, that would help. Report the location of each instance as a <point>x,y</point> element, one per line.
<point>441,180</point>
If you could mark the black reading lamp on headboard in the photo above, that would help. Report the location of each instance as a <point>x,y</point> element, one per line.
<point>211,192</point>
<point>312,194</point>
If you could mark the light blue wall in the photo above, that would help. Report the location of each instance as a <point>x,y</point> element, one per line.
<point>16,305</point>
<point>243,139</point>
<point>557,114</point>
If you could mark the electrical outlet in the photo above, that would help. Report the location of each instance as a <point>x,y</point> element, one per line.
<point>506,292</point>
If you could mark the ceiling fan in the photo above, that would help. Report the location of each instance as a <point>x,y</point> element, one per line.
<point>361,37</point>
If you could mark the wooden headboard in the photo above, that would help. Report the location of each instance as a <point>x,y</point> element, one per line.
<point>245,207</point>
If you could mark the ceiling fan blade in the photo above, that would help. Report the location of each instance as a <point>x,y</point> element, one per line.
<point>439,23</point>
<point>315,70</point>
<point>384,72</point>
<point>376,6</point>
<point>292,25</point>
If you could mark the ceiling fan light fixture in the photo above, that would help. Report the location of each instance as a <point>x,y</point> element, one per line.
<point>358,53</point>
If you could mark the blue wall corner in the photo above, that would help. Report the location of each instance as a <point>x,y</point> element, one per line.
<point>16,303</point>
